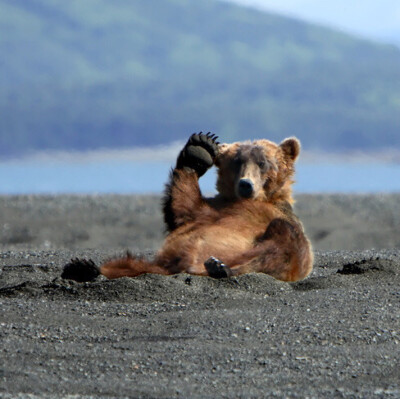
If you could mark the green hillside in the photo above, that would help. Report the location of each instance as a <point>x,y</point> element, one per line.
<point>99,73</point>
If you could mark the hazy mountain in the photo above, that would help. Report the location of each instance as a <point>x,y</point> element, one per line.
<point>88,74</point>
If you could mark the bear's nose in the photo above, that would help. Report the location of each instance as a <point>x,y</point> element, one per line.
<point>246,188</point>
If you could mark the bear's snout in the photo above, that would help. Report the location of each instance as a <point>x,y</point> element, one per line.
<point>245,188</point>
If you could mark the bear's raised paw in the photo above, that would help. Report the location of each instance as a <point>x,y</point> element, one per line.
<point>199,153</point>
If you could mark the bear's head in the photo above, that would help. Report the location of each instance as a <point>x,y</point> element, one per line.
<point>260,170</point>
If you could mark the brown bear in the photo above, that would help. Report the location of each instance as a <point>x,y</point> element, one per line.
<point>248,227</point>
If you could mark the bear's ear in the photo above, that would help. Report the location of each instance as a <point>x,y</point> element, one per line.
<point>290,148</point>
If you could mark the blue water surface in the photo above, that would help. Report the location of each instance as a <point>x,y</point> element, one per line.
<point>125,177</point>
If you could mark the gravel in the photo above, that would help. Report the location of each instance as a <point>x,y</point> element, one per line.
<point>334,335</point>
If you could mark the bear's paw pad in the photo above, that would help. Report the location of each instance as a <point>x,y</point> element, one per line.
<point>199,152</point>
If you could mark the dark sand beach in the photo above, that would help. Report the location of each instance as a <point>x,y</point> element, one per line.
<point>334,335</point>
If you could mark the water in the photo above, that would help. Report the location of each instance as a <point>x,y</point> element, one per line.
<point>125,177</point>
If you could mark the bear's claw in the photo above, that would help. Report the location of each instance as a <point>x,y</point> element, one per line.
<point>199,153</point>
<point>216,268</point>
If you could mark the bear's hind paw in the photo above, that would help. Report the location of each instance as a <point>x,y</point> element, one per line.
<point>216,268</point>
<point>80,270</point>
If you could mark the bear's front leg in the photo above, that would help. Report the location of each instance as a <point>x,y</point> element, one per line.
<point>284,253</point>
<point>183,198</point>
<point>216,268</point>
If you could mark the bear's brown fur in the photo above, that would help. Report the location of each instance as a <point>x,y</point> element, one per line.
<point>248,227</point>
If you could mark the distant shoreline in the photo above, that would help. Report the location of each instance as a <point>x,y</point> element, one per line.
<point>169,152</point>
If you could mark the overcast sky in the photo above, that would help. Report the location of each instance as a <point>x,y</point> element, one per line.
<point>376,19</point>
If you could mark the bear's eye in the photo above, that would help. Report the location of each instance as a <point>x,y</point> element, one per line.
<point>261,164</point>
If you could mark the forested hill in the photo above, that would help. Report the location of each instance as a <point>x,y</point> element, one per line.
<point>87,74</point>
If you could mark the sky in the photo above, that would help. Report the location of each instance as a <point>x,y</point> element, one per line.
<point>374,19</point>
